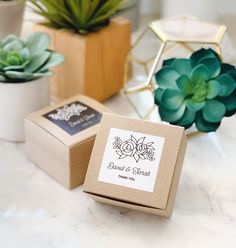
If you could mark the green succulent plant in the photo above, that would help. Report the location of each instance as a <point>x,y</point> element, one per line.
<point>26,60</point>
<point>82,16</point>
<point>200,90</point>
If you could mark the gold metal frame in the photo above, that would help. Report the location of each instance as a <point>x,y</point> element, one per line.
<point>162,36</point>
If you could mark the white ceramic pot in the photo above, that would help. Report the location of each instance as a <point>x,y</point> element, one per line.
<point>17,100</point>
<point>11,17</point>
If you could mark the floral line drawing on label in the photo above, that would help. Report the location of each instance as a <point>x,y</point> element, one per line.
<point>66,112</point>
<point>135,148</point>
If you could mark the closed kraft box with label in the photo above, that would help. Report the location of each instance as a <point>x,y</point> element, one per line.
<point>136,164</point>
<point>60,138</point>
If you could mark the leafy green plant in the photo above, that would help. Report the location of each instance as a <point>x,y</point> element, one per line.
<point>82,16</point>
<point>200,90</point>
<point>26,60</point>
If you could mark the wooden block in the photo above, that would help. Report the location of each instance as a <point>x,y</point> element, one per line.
<point>94,62</point>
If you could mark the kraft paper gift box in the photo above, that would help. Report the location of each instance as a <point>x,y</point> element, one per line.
<point>136,164</point>
<point>60,138</point>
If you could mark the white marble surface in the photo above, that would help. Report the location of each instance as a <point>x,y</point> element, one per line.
<point>37,212</point>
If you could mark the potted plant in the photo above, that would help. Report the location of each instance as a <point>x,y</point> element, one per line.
<point>24,66</point>
<point>11,17</point>
<point>95,45</point>
<point>198,91</point>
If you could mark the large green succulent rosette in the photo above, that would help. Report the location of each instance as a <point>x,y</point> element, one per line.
<point>200,90</point>
<point>23,60</point>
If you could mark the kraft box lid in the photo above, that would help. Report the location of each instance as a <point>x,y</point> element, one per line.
<point>71,121</point>
<point>136,164</point>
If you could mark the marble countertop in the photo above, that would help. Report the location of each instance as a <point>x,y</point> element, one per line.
<point>37,212</point>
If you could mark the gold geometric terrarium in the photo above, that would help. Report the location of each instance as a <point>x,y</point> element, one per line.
<point>164,39</point>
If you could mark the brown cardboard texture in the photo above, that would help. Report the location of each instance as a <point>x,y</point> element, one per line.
<point>60,138</point>
<point>136,164</point>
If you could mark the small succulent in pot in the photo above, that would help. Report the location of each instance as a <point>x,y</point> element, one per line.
<point>81,16</point>
<point>200,90</point>
<point>26,60</point>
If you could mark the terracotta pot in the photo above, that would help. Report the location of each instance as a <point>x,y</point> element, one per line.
<point>17,100</point>
<point>94,63</point>
<point>11,17</point>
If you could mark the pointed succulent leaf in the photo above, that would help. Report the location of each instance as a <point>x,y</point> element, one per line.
<point>214,89</point>
<point>205,126</point>
<point>229,102</point>
<point>172,99</point>
<point>25,54</point>
<point>213,66</point>
<point>18,75</point>
<point>38,42</point>
<point>43,74</point>
<point>200,73</point>
<point>195,106</point>
<point>213,111</point>
<point>14,68</point>
<point>200,54</point>
<point>14,45</point>
<point>9,39</point>
<point>54,60</point>
<point>37,61</point>
<point>225,68</point>
<point>172,115</point>
<point>158,95</point>
<point>227,83</point>
<point>166,78</point>
<point>185,85</point>
<point>2,78</point>
<point>187,119</point>
<point>168,62</point>
<point>182,66</point>
<point>79,15</point>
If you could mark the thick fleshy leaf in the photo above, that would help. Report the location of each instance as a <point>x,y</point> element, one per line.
<point>14,68</point>
<point>185,85</point>
<point>213,111</point>
<point>25,54</point>
<point>13,60</point>
<point>214,89</point>
<point>225,68</point>
<point>187,119</point>
<point>9,39</point>
<point>14,45</point>
<point>168,62</point>
<point>37,61</point>
<point>182,66</point>
<point>200,73</point>
<point>38,42</point>
<point>158,95</point>
<point>2,78</point>
<point>170,115</point>
<point>195,106</point>
<point>229,102</point>
<point>172,99</point>
<point>233,74</point>
<point>227,83</point>
<point>18,75</point>
<point>204,126</point>
<point>200,54</point>
<point>213,66</point>
<point>54,60</point>
<point>166,78</point>
<point>43,74</point>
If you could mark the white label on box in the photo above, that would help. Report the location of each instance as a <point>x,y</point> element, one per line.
<point>131,159</point>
